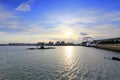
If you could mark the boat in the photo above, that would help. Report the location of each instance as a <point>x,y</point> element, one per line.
<point>41,47</point>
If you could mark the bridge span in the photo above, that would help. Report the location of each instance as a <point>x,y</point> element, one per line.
<point>110,43</point>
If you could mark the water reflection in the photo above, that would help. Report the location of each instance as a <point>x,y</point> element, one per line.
<point>69,66</point>
<point>68,57</point>
<point>63,63</point>
<point>69,52</point>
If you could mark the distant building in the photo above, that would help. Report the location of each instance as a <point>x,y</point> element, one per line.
<point>58,43</point>
<point>62,42</point>
<point>50,43</point>
<point>40,43</point>
<point>69,43</point>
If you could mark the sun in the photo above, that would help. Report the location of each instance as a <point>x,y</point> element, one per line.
<point>68,33</point>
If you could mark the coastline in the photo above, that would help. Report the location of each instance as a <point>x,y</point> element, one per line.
<point>113,47</point>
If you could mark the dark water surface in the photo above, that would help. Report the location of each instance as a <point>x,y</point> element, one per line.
<point>62,63</point>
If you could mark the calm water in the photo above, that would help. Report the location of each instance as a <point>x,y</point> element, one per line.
<point>62,63</point>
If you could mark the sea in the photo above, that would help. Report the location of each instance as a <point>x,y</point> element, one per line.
<point>61,63</point>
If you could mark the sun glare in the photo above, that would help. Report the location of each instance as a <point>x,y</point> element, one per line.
<point>68,34</point>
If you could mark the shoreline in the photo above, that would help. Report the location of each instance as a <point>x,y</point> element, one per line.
<point>112,47</point>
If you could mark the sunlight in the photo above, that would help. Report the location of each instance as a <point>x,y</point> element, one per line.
<point>69,52</point>
<point>68,33</point>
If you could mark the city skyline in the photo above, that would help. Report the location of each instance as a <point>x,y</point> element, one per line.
<point>58,20</point>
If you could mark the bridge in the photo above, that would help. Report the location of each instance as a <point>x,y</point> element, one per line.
<point>89,41</point>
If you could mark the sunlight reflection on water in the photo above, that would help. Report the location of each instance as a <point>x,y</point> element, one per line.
<point>69,51</point>
<point>69,57</point>
<point>62,63</point>
<point>69,63</point>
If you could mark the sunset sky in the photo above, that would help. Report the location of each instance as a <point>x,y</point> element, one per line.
<point>52,20</point>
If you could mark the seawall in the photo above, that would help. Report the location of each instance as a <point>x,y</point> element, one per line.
<point>114,47</point>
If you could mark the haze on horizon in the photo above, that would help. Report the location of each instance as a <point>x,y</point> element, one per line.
<point>52,20</point>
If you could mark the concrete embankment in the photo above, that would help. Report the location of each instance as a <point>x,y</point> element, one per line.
<point>114,47</point>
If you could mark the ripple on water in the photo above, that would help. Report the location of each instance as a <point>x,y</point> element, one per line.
<point>80,63</point>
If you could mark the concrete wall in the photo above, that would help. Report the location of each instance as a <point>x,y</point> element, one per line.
<point>115,47</point>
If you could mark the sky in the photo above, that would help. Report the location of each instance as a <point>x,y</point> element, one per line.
<point>52,20</point>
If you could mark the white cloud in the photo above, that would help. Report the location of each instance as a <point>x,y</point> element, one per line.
<point>1,32</point>
<point>4,14</point>
<point>116,19</point>
<point>8,19</point>
<point>24,6</point>
<point>35,32</point>
<point>83,33</point>
<point>31,33</point>
<point>107,30</point>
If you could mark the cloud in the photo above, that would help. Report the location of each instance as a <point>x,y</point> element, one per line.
<point>9,24</point>
<point>107,30</point>
<point>36,33</point>
<point>116,19</point>
<point>8,19</point>
<point>80,25</point>
<point>4,14</point>
<point>66,19</point>
<point>83,33</point>
<point>24,6</point>
<point>2,33</point>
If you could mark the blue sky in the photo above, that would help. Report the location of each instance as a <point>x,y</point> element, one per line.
<point>51,20</point>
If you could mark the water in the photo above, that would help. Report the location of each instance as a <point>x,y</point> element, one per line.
<point>62,63</point>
